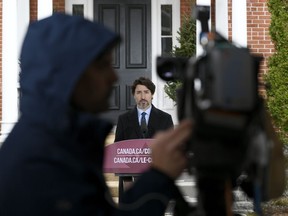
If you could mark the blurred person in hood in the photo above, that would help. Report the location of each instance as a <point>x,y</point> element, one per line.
<point>51,163</point>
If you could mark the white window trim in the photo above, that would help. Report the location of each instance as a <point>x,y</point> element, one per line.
<point>221,13</point>
<point>15,21</point>
<point>160,99</point>
<point>239,22</point>
<point>44,8</point>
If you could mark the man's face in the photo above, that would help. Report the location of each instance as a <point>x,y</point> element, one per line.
<point>93,89</point>
<point>143,97</point>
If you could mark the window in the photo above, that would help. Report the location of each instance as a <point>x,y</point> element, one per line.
<point>78,9</point>
<point>166,30</point>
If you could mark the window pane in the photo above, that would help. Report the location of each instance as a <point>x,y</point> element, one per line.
<point>78,10</point>
<point>166,47</point>
<point>166,19</point>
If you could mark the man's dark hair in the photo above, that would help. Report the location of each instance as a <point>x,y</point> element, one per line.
<point>144,81</point>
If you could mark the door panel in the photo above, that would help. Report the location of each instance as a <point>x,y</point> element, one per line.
<point>132,58</point>
<point>135,37</point>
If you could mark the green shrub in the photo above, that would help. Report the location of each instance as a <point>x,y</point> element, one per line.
<point>187,40</point>
<point>277,77</point>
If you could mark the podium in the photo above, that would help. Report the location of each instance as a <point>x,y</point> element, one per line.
<point>127,159</point>
<point>128,156</point>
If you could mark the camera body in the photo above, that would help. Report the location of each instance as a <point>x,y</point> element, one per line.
<point>220,94</point>
<point>231,142</point>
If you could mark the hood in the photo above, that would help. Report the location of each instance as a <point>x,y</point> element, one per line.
<point>55,53</point>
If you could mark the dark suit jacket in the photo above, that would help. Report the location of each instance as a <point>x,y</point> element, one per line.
<point>128,124</point>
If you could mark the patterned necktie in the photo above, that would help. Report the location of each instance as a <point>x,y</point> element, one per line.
<point>143,125</point>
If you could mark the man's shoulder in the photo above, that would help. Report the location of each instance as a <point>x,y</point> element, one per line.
<point>160,112</point>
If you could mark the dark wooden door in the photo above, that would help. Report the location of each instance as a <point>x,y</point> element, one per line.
<point>132,58</point>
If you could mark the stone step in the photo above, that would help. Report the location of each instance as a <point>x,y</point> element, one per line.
<point>113,187</point>
<point>111,177</point>
<point>112,182</point>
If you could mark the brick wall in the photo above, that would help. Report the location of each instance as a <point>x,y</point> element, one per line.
<point>258,22</point>
<point>185,6</point>
<point>33,10</point>
<point>259,40</point>
<point>212,15</point>
<point>230,20</point>
<point>59,5</point>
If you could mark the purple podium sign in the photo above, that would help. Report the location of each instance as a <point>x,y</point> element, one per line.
<point>128,156</point>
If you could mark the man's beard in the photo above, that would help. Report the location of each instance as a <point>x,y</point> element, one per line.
<point>143,104</point>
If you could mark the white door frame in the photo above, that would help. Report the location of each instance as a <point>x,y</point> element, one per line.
<point>161,100</point>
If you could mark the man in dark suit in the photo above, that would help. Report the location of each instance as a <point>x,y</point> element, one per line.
<point>141,122</point>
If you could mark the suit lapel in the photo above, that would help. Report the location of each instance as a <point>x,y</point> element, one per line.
<point>135,122</point>
<point>153,120</point>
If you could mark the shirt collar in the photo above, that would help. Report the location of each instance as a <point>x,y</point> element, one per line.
<point>148,111</point>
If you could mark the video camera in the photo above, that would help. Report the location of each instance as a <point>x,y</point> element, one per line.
<point>220,94</point>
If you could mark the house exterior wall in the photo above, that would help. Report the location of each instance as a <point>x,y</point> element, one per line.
<point>14,14</point>
<point>259,40</point>
<point>33,10</point>
<point>230,20</point>
<point>1,9</point>
<point>185,6</point>
<point>258,22</point>
<point>257,27</point>
<point>59,5</point>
